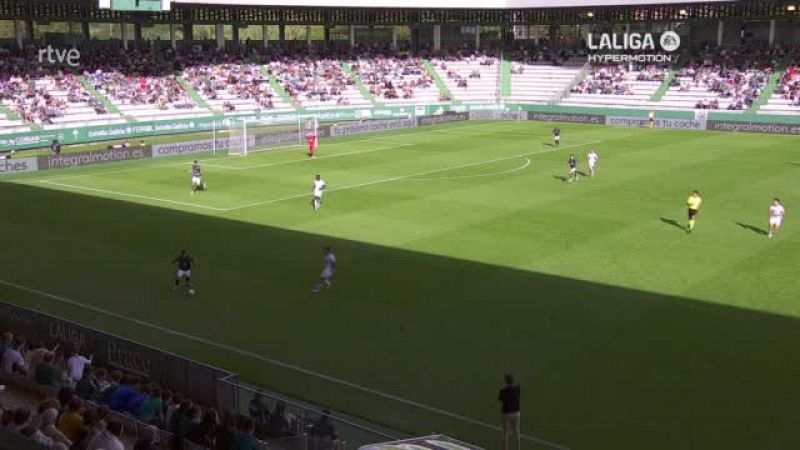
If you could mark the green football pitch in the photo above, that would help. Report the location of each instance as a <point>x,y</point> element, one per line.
<point>463,255</point>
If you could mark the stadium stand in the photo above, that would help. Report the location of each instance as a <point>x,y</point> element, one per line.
<point>44,399</point>
<point>619,85</point>
<point>541,76</point>
<point>721,79</point>
<point>472,77</point>
<point>396,78</point>
<point>786,98</point>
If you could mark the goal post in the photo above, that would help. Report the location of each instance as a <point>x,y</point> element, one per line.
<point>257,135</point>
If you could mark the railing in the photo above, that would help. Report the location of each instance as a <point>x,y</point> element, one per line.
<point>568,89</point>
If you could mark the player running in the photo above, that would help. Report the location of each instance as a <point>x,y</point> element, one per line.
<point>592,158</point>
<point>319,187</point>
<point>197,178</point>
<point>572,163</point>
<point>776,214</point>
<point>185,263</point>
<point>556,136</point>
<point>328,270</point>
<point>693,203</point>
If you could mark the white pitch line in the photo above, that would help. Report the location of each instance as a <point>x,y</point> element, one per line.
<point>128,194</point>
<point>480,175</point>
<point>305,160</point>
<point>405,177</point>
<point>275,362</point>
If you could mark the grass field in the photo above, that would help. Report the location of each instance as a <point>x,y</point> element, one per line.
<point>463,255</point>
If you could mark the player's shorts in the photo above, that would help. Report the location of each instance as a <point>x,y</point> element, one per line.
<point>196,181</point>
<point>326,274</point>
<point>556,138</point>
<point>775,221</point>
<point>318,196</point>
<point>692,213</point>
<point>183,273</point>
<point>573,169</point>
<point>511,420</point>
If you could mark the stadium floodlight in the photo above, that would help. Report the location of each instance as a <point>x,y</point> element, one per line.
<point>791,8</point>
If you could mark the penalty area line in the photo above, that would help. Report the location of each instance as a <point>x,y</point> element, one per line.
<point>128,194</point>
<point>275,362</point>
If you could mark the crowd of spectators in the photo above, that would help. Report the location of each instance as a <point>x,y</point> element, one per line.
<point>617,79</point>
<point>29,88</point>
<point>789,87</point>
<point>446,60</point>
<point>392,76</point>
<point>85,412</point>
<point>236,77</point>
<point>312,78</point>
<point>738,75</point>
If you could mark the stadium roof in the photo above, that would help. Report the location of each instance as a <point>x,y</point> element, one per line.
<point>460,4</point>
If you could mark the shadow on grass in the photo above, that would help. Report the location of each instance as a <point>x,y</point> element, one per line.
<point>673,223</point>
<point>601,366</point>
<point>753,228</point>
<point>561,178</point>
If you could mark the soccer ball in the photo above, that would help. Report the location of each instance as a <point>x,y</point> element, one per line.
<point>191,292</point>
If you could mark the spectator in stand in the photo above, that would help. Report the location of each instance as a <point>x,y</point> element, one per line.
<point>243,438</point>
<point>205,433</point>
<point>148,439</point>
<point>101,382</point>
<point>325,431</point>
<point>109,439</point>
<point>227,430</point>
<point>12,361</point>
<point>122,395</point>
<point>75,365</point>
<point>35,356</point>
<point>258,408</point>
<point>44,423</point>
<point>47,374</point>
<point>86,388</point>
<point>6,342</point>
<point>151,409</point>
<point>94,424</point>
<point>170,408</point>
<point>71,423</point>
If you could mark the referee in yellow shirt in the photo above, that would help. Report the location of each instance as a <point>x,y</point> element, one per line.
<point>693,203</point>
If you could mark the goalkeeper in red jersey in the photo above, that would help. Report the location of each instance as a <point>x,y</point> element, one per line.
<point>311,137</point>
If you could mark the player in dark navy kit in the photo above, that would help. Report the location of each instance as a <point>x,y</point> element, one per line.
<point>185,263</point>
<point>572,163</point>
<point>556,135</point>
<point>197,178</point>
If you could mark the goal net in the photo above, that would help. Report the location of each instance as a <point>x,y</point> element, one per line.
<point>256,135</point>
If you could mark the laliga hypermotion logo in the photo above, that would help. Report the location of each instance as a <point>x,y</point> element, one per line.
<point>634,47</point>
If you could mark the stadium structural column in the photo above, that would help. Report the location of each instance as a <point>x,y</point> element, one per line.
<point>265,35</point>
<point>19,34</point>
<point>87,33</point>
<point>327,34</point>
<point>29,30</point>
<point>352,36</point>
<point>772,32</point>
<point>282,33</point>
<point>308,35</point>
<point>477,37</point>
<point>137,32</point>
<point>437,37</point>
<point>188,32</point>
<point>219,34</point>
<point>553,35</point>
<point>235,36</point>
<point>720,32</point>
<point>172,38</point>
<point>123,34</point>
<point>394,36</point>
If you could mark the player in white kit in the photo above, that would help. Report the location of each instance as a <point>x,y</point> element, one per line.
<point>776,214</point>
<point>592,158</point>
<point>319,187</point>
<point>328,270</point>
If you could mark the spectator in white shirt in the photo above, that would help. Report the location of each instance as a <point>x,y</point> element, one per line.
<point>12,361</point>
<point>75,365</point>
<point>109,439</point>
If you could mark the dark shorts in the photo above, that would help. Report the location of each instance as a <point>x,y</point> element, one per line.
<point>692,213</point>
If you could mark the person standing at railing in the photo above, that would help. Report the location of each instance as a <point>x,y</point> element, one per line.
<point>509,399</point>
